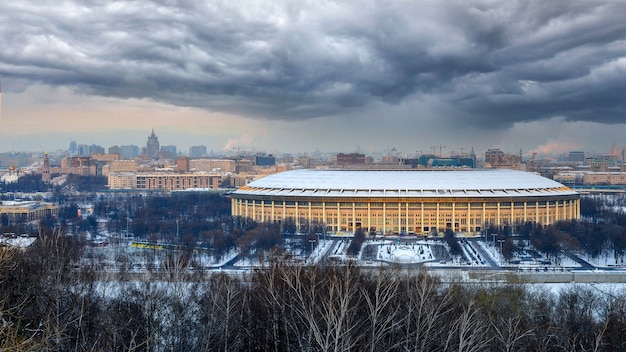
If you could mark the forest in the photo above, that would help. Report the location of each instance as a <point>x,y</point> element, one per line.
<point>46,304</point>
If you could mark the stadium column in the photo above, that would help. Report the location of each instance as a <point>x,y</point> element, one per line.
<point>437,220</point>
<point>536,212</point>
<point>273,214</point>
<point>284,211</point>
<point>512,214</point>
<point>469,216</point>
<point>498,215</point>
<point>400,217</point>
<point>525,203</point>
<point>310,216</point>
<point>569,208</point>
<point>422,216</point>
<point>254,210</point>
<point>406,225</point>
<point>547,212</point>
<point>453,216</point>
<point>556,207</point>
<point>484,213</point>
<point>262,211</point>
<point>297,215</point>
<point>324,215</point>
<point>384,217</point>
<point>338,216</point>
<point>353,217</point>
<point>369,217</point>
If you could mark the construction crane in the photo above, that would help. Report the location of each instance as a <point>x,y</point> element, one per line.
<point>531,163</point>
<point>434,149</point>
<point>440,148</point>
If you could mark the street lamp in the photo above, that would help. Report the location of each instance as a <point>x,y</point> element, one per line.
<point>501,242</point>
<point>311,241</point>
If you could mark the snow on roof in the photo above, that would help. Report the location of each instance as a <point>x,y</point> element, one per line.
<point>457,183</point>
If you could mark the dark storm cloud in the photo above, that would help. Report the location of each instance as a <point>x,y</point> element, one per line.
<point>493,63</point>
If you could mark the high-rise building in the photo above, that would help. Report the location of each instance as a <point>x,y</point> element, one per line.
<point>73,150</point>
<point>349,159</point>
<point>152,146</point>
<point>129,151</point>
<point>87,150</point>
<point>169,151</point>
<point>576,157</point>
<point>16,159</point>
<point>83,150</point>
<point>115,150</point>
<point>494,156</point>
<point>265,160</point>
<point>197,151</point>
<point>182,164</point>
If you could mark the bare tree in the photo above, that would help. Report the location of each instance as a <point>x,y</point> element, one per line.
<point>278,323</point>
<point>382,312</point>
<point>221,308</point>
<point>428,307</point>
<point>325,299</point>
<point>510,332</point>
<point>468,332</point>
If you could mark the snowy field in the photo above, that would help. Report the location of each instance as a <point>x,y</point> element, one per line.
<point>478,261</point>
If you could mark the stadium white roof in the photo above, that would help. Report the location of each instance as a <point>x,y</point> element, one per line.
<point>453,183</point>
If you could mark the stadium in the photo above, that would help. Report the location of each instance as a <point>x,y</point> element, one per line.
<point>406,202</point>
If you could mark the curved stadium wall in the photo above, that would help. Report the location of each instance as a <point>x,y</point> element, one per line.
<point>421,202</point>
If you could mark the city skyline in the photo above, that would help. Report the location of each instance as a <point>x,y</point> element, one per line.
<point>536,76</point>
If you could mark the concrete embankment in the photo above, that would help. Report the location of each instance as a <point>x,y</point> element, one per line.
<point>551,277</point>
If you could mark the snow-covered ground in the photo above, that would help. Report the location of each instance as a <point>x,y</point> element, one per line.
<point>383,251</point>
<point>606,260</point>
<point>19,242</point>
<point>396,252</point>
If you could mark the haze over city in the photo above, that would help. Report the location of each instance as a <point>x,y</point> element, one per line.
<point>540,76</point>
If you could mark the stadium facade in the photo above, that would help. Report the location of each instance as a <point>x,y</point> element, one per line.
<point>421,202</point>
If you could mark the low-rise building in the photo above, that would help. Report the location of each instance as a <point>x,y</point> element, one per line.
<point>211,165</point>
<point>163,181</point>
<point>25,211</point>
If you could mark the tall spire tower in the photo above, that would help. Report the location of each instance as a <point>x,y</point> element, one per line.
<point>45,174</point>
<point>152,146</point>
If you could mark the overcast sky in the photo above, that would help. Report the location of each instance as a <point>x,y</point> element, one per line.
<point>291,76</point>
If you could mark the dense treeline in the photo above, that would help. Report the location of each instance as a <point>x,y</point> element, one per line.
<point>165,215</point>
<point>45,304</point>
<point>30,183</point>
